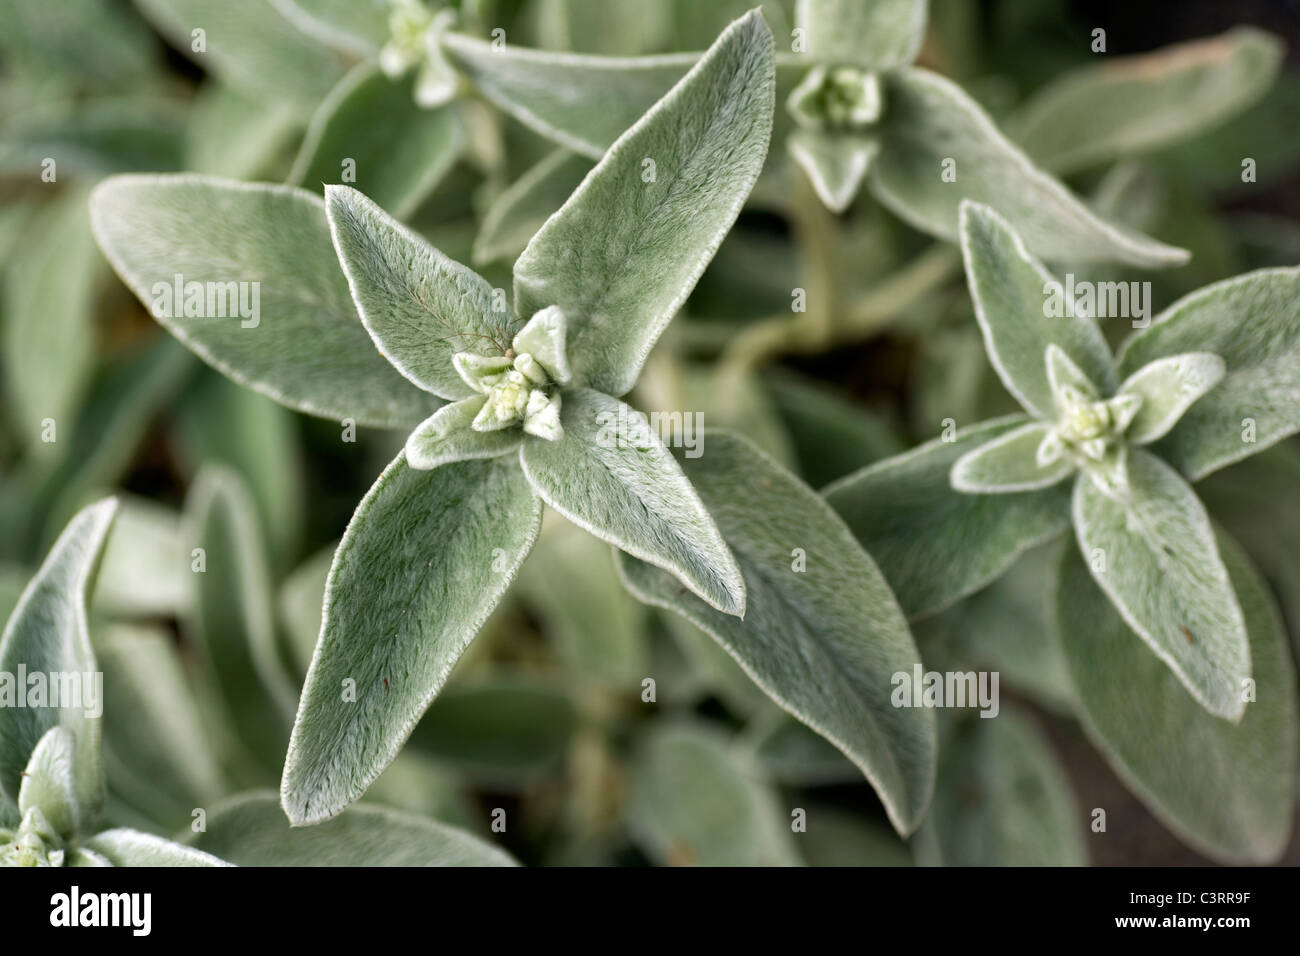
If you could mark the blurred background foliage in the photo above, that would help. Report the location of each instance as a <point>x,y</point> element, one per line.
<point>546,716</point>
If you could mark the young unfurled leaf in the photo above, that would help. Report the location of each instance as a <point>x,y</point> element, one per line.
<point>250,830</point>
<point>235,244</point>
<point>47,634</point>
<point>835,165</point>
<point>611,474</point>
<point>824,638</point>
<point>421,307</point>
<point>50,782</point>
<point>427,556</point>
<point>1002,799</point>
<point>933,543</point>
<point>1008,463</point>
<point>622,255</point>
<point>1153,553</point>
<point>1226,788</point>
<point>874,35</point>
<point>1167,387</point>
<point>1130,105</point>
<point>447,436</point>
<point>938,147</point>
<point>370,125</point>
<point>583,103</point>
<point>1011,291</point>
<point>1252,322</point>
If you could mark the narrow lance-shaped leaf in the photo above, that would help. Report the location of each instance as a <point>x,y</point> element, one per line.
<point>621,256</point>
<point>426,557</point>
<point>872,34</point>
<point>583,103</point>
<point>126,847</point>
<point>1013,293</point>
<point>1130,105</point>
<point>420,307</point>
<point>47,635</point>
<point>1154,555</point>
<point>939,147</point>
<point>1008,464</point>
<point>1252,322</point>
<point>1226,788</point>
<point>822,633</point>
<point>250,830</point>
<point>371,128</point>
<point>357,26</point>
<point>261,299</point>
<point>610,473</point>
<point>936,544</point>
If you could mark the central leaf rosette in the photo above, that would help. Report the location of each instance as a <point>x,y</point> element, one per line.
<point>837,99</point>
<point>34,843</point>
<point>521,385</point>
<point>415,39</point>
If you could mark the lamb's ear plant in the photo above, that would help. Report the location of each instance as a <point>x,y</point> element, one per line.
<point>51,763</point>
<point>1109,446</point>
<point>531,417</point>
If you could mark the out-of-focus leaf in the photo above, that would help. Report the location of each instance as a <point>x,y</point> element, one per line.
<point>837,838</point>
<point>522,208</point>
<point>698,802</point>
<point>357,26</point>
<point>233,134</point>
<point>126,847</point>
<point>302,596</point>
<point>1002,799</point>
<point>250,830</point>
<point>143,571</point>
<point>98,43</point>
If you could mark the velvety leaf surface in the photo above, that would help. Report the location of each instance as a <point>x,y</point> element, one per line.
<point>823,642</point>
<point>929,120</point>
<point>1227,789</point>
<point>876,35</point>
<point>126,847</point>
<point>47,634</point>
<point>621,484</point>
<point>308,349</point>
<point>622,255</point>
<point>413,580</point>
<point>420,307</point>
<point>1007,285</point>
<point>582,103</point>
<point>1252,322</point>
<point>933,543</point>
<point>1164,574</point>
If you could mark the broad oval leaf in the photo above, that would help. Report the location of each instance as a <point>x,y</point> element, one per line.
<point>250,830</point>
<point>1011,291</point>
<point>47,635</point>
<point>621,256</point>
<point>305,346</point>
<point>1226,788</point>
<point>420,307</point>
<point>1252,322</point>
<point>426,557</point>
<point>396,150</point>
<point>931,127</point>
<point>936,544</point>
<point>1002,799</point>
<point>1154,555</point>
<point>698,802</point>
<point>580,102</point>
<point>873,35</point>
<point>610,473</point>
<point>1130,105</point>
<point>822,634</point>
